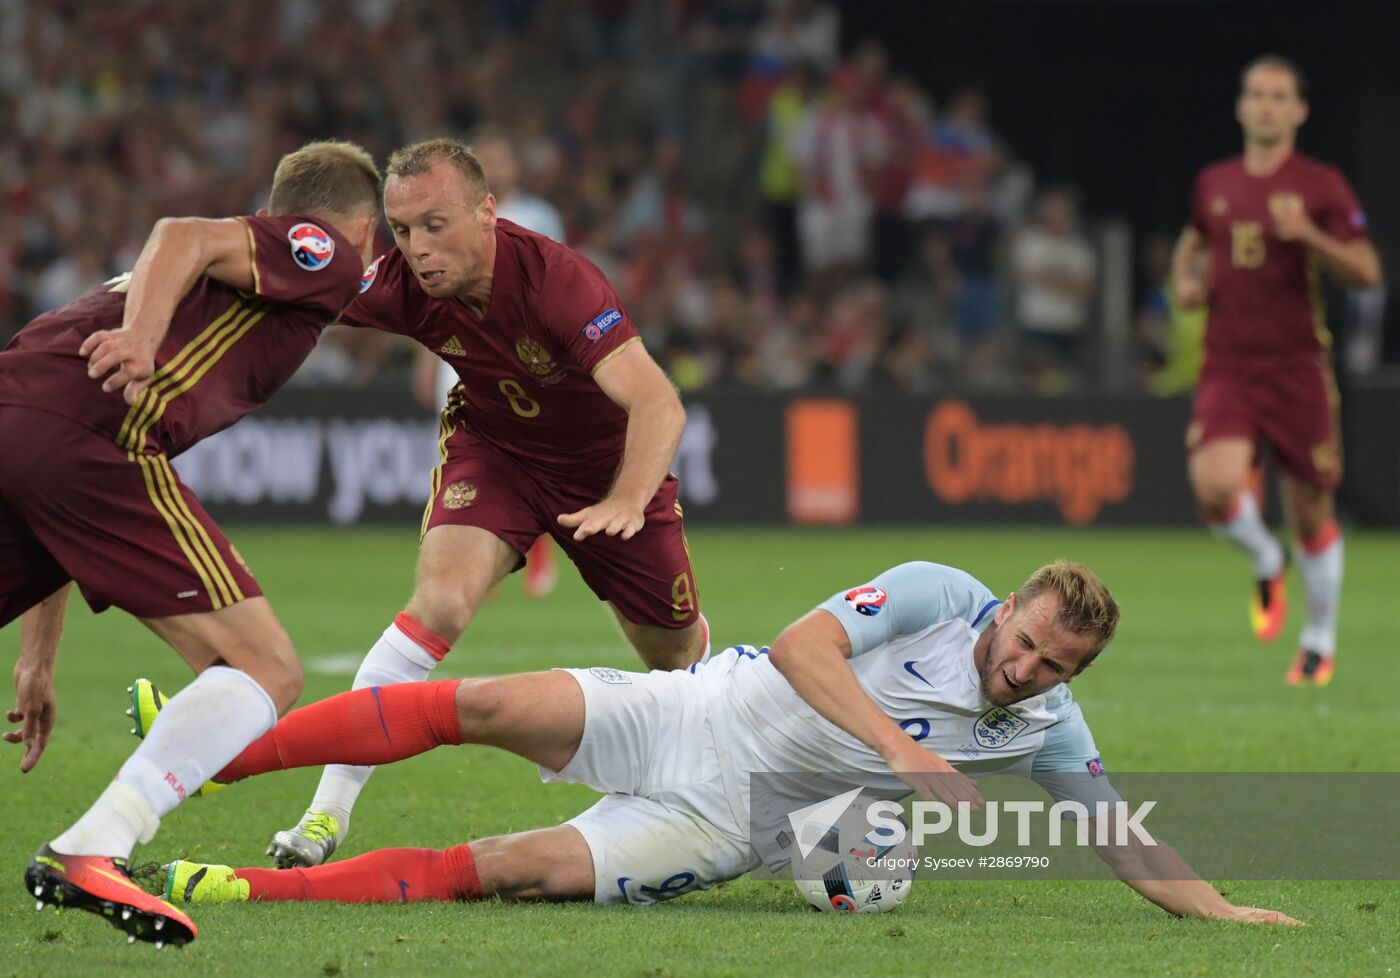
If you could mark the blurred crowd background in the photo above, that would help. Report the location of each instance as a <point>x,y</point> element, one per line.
<point>778,202</point>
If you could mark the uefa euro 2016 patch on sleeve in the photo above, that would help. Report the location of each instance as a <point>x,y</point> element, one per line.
<point>868,600</point>
<point>371,273</point>
<point>601,324</point>
<point>312,247</point>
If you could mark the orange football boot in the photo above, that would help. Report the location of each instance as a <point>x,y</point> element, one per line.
<point>1310,669</point>
<point>102,885</point>
<point>1268,606</point>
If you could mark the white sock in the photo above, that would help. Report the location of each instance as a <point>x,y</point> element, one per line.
<point>1246,530</point>
<point>1322,582</point>
<point>202,728</point>
<point>395,658</point>
<point>118,820</point>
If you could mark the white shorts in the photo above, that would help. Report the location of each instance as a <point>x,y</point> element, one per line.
<point>667,826</point>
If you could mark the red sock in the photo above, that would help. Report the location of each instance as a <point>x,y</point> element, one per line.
<point>1326,536</point>
<point>382,876</point>
<point>374,725</point>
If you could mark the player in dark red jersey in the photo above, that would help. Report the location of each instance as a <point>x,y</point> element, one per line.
<point>1270,221</point>
<point>561,424</point>
<point>95,398</point>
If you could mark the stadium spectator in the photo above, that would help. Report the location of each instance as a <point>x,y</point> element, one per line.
<point>974,241</point>
<point>959,153</point>
<point>903,113</point>
<point>854,334</point>
<point>1169,337</point>
<point>797,31</point>
<point>924,297</point>
<point>837,145</point>
<point>1055,273</point>
<point>72,272</point>
<point>494,150</point>
<point>780,177</point>
<point>663,135</point>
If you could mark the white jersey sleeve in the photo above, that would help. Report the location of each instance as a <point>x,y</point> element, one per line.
<point>1068,765</point>
<point>907,599</point>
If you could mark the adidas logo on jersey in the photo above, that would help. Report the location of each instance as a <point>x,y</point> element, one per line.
<point>453,348</point>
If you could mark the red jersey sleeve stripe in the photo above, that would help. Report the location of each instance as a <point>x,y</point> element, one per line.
<point>138,409</point>
<point>190,372</point>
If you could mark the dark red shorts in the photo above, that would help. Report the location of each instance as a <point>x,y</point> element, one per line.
<point>73,506</point>
<point>649,578</point>
<point>1293,405</point>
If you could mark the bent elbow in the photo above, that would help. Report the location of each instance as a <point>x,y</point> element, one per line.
<point>181,233</point>
<point>176,225</point>
<point>780,652</point>
<point>673,410</point>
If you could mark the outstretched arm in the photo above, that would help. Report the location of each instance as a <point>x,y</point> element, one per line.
<point>1162,876</point>
<point>40,629</point>
<point>655,420</point>
<point>177,253</point>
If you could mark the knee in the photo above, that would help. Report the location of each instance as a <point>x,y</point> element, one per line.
<point>515,868</point>
<point>479,703</point>
<point>284,680</point>
<point>502,870</point>
<point>669,650</point>
<point>1216,496</point>
<point>273,665</point>
<point>442,610</point>
<point>292,686</point>
<point>1310,521</point>
<point>679,655</point>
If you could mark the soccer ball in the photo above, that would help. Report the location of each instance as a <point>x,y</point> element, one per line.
<point>851,868</point>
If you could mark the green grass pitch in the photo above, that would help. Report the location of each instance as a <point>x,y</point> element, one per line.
<point>1183,688</point>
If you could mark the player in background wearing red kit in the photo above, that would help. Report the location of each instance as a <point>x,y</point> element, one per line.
<point>95,397</point>
<point>1270,221</point>
<point>561,423</point>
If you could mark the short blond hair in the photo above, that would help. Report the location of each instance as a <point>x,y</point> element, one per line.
<point>418,158</point>
<point>1086,606</point>
<point>330,178</point>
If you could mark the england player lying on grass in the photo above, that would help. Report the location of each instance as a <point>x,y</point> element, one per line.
<point>934,659</point>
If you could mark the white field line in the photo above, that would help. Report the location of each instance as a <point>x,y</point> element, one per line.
<point>462,663</point>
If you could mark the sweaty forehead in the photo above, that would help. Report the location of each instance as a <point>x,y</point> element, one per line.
<point>1039,612</point>
<point>1039,619</point>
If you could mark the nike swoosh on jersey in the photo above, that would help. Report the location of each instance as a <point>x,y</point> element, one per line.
<point>909,668</point>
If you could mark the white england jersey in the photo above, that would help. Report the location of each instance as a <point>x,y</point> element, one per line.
<point>912,631</point>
